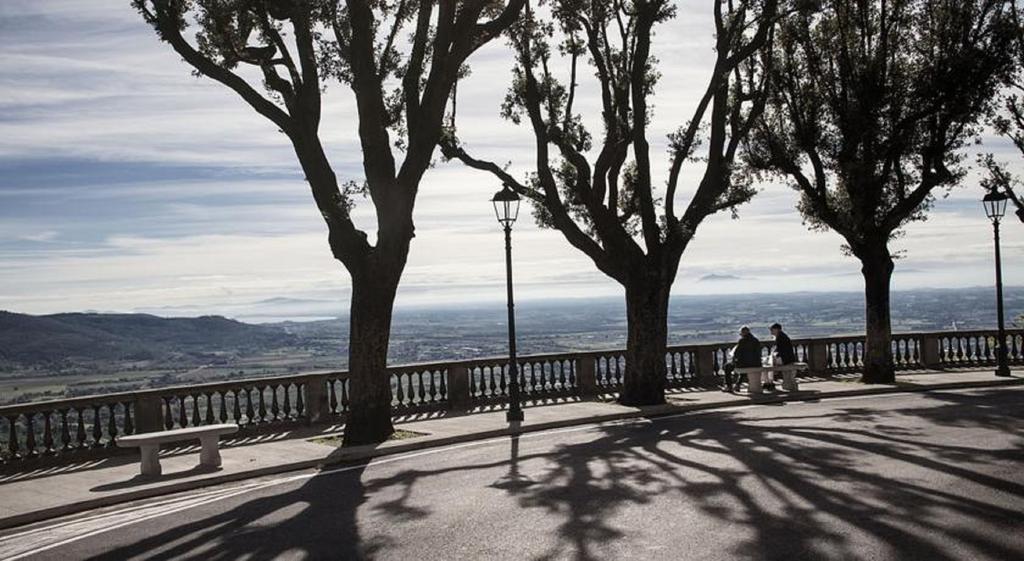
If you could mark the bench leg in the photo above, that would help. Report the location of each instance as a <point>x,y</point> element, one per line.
<point>150,459</point>
<point>209,454</point>
<point>789,381</point>
<point>754,379</point>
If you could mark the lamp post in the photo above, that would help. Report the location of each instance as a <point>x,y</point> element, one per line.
<point>506,208</point>
<point>995,208</point>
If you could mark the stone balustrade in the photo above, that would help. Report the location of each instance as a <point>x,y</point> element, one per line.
<point>86,426</point>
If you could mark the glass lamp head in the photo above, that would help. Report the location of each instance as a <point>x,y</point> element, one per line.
<point>995,205</point>
<point>506,206</point>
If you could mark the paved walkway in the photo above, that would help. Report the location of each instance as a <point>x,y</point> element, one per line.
<point>44,493</point>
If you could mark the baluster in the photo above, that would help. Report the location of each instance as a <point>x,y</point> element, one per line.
<point>250,411</point>
<point>30,435</point>
<point>287,405</point>
<point>505,374</point>
<point>236,407</point>
<point>47,434</point>
<point>573,380</point>
<point>65,433</point>
<point>400,392</point>
<point>300,404</point>
<point>433,386</point>
<point>444,384</point>
<point>416,390</point>
<point>12,442</point>
<point>492,387</point>
<point>97,427</point>
<point>223,406</point>
<point>111,424</point>
<point>332,394</point>
<point>263,403</point>
<point>563,380</point>
<point>80,434</point>
<point>474,388</point>
<point>129,424</point>
<point>274,407</point>
<point>209,420</point>
<point>168,417</point>
<point>344,395</point>
<point>182,411</point>
<point>197,417</point>
<point>532,388</point>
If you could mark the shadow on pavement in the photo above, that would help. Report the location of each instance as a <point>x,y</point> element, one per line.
<point>783,487</point>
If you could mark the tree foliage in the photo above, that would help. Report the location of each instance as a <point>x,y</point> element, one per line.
<point>598,188</point>
<point>872,104</point>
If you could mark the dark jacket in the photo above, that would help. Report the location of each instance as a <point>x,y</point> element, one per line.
<point>784,348</point>
<point>748,352</point>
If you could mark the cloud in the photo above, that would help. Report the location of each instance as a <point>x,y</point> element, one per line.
<point>127,184</point>
<point>41,236</point>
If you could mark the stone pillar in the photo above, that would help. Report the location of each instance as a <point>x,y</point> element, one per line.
<point>317,409</point>
<point>705,362</point>
<point>586,376</point>
<point>931,351</point>
<point>459,397</point>
<point>149,414</point>
<point>817,363</point>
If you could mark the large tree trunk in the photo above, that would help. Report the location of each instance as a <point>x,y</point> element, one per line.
<point>373,299</point>
<point>877,267</point>
<point>647,335</point>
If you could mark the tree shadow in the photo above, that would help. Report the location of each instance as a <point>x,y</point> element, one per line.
<point>322,511</point>
<point>854,483</point>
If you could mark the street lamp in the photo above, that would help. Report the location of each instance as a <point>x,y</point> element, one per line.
<point>506,208</point>
<point>995,207</point>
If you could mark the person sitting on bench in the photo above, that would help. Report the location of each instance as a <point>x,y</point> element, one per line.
<point>782,351</point>
<point>746,354</point>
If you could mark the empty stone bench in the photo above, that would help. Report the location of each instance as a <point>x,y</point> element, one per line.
<point>149,444</point>
<point>788,375</point>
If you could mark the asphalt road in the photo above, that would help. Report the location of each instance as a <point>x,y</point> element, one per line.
<point>936,476</point>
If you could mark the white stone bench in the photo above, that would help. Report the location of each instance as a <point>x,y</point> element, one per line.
<point>149,444</point>
<point>789,371</point>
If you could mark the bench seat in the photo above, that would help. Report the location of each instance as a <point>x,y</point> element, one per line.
<point>788,375</point>
<point>149,444</point>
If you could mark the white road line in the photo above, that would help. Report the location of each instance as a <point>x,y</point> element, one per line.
<point>203,498</point>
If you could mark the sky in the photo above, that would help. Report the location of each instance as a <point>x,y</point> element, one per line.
<point>127,184</point>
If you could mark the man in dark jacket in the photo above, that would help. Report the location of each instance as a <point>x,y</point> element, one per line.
<point>782,352</point>
<point>783,346</point>
<point>746,354</point>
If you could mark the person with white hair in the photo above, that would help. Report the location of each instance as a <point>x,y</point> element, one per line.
<point>746,354</point>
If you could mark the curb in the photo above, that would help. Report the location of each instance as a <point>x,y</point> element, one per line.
<point>360,453</point>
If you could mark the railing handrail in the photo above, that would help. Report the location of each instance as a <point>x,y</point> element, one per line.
<point>228,385</point>
<point>120,397</point>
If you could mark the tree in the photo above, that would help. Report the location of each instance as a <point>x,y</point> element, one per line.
<point>871,103</point>
<point>400,93</point>
<point>1010,123</point>
<point>602,198</point>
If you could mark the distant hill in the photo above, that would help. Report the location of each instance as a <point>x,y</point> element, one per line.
<point>28,340</point>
